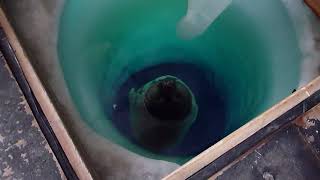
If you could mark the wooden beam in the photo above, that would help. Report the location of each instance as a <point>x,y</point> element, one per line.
<point>42,97</point>
<point>190,167</point>
<point>314,5</point>
<point>244,132</point>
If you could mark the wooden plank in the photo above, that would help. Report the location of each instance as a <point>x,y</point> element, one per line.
<point>314,5</point>
<point>304,129</point>
<point>45,102</point>
<point>283,155</point>
<point>21,137</point>
<point>183,172</point>
<point>257,138</point>
<point>243,132</point>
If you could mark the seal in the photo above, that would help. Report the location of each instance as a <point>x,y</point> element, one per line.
<point>161,112</point>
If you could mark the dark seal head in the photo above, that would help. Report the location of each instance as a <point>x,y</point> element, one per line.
<point>168,100</point>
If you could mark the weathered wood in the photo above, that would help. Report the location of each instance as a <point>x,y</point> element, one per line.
<point>45,102</point>
<point>186,170</point>
<point>244,132</point>
<point>291,152</point>
<point>314,5</point>
<point>24,151</point>
<point>284,155</point>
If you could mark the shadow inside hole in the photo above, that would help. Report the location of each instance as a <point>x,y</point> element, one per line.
<point>210,123</point>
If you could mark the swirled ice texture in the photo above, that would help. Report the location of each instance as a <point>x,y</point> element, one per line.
<point>245,62</point>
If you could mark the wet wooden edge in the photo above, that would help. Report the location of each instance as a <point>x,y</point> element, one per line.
<point>185,171</point>
<point>16,72</point>
<point>244,132</point>
<point>42,97</point>
<point>301,123</point>
<point>314,5</point>
<point>259,137</point>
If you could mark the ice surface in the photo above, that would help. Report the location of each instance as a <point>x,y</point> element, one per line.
<point>200,15</point>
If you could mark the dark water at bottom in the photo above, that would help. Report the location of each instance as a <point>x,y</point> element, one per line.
<point>210,123</point>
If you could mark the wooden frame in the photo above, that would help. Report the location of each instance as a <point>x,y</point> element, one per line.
<point>185,171</point>
<point>45,102</point>
<point>314,5</point>
<point>244,132</point>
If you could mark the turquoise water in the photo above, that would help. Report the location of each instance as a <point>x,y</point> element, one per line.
<point>251,49</point>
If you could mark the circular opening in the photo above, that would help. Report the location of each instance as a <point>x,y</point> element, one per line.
<point>246,61</point>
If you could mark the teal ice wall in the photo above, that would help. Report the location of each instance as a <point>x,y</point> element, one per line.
<point>251,48</point>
